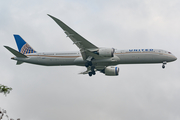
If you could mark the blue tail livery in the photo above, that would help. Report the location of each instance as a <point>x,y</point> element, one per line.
<point>23,46</point>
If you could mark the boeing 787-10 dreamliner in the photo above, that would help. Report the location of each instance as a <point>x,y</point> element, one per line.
<point>92,57</point>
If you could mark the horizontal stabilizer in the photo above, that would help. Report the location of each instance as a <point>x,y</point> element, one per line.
<point>16,53</point>
<point>19,62</point>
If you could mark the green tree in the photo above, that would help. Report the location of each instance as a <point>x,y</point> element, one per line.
<point>4,89</point>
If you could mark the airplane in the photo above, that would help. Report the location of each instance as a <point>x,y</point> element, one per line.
<point>92,57</point>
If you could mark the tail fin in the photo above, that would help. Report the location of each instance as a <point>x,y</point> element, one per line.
<point>23,46</point>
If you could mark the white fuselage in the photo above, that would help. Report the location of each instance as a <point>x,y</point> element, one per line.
<point>131,56</point>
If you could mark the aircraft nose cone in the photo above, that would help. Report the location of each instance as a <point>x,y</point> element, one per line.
<point>174,58</point>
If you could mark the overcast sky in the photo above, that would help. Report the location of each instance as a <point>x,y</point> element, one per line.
<point>140,92</point>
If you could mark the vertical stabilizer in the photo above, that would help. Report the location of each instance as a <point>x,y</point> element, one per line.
<point>23,46</point>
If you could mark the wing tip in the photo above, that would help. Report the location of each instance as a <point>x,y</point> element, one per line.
<point>54,18</point>
<point>50,16</point>
<point>6,46</point>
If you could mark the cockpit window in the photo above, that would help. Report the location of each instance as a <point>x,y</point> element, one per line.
<point>169,52</point>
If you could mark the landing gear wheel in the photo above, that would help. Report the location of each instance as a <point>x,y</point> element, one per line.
<point>93,72</point>
<point>164,63</point>
<point>90,74</point>
<point>163,66</point>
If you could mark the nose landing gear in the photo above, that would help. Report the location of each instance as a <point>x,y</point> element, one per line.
<point>164,63</point>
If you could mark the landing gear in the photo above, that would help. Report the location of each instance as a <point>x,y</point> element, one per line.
<point>163,66</point>
<point>92,71</point>
<point>90,74</point>
<point>164,63</point>
<point>88,63</point>
<point>90,66</point>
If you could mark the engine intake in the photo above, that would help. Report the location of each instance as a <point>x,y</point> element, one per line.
<point>111,71</point>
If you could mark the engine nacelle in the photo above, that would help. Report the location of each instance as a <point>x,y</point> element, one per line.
<point>111,71</point>
<point>106,52</point>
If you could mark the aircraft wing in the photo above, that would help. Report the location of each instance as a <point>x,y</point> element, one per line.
<point>77,39</point>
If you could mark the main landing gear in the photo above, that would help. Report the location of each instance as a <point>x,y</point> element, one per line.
<point>164,63</point>
<point>89,66</point>
<point>89,61</point>
<point>92,73</point>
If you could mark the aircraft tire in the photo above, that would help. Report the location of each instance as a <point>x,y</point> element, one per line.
<point>93,72</point>
<point>90,74</point>
<point>163,66</point>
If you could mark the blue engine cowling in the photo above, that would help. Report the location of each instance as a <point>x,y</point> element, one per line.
<point>111,71</point>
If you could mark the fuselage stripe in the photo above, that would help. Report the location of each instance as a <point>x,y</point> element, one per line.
<point>54,56</point>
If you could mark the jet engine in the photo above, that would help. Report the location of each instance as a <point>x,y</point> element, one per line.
<point>111,71</point>
<point>106,52</point>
